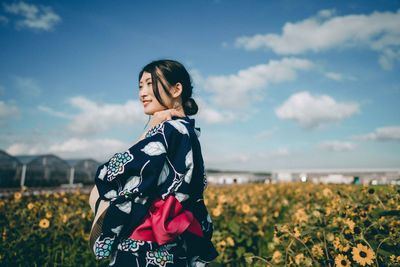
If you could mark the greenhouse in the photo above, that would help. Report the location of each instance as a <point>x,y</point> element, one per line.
<point>10,170</point>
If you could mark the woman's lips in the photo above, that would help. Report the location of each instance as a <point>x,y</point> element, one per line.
<point>145,103</point>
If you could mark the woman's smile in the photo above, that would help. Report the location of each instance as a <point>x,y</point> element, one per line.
<point>145,102</point>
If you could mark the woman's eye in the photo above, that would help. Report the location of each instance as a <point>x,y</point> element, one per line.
<point>148,83</point>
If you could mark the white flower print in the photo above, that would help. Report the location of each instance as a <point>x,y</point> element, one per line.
<point>189,165</point>
<point>103,172</point>
<point>181,196</point>
<point>154,149</point>
<point>111,194</point>
<point>179,126</point>
<point>132,182</point>
<point>164,174</point>
<point>117,229</point>
<point>125,206</point>
<point>142,200</point>
<point>197,132</point>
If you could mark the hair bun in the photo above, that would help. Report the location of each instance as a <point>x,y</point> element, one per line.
<point>190,107</point>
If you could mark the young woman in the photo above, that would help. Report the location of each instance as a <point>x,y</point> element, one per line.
<point>156,214</point>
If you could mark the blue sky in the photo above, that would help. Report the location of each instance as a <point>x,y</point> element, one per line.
<point>279,84</point>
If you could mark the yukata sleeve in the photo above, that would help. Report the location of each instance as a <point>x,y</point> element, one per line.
<point>130,180</point>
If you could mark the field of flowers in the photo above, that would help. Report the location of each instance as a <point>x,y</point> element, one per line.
<point>287,224</point>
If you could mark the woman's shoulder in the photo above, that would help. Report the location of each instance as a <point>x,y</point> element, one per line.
<point>174,126</point>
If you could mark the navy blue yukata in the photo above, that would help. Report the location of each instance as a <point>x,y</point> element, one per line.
<point>168,161</point>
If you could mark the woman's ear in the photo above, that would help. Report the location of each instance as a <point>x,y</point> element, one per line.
<point>177,90</point>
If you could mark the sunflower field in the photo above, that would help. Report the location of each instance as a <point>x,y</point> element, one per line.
<point>284,224</point>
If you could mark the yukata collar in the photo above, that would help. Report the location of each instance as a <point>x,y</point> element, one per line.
<point>191,121</point>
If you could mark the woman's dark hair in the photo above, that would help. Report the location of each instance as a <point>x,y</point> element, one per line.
<point>168,73</point>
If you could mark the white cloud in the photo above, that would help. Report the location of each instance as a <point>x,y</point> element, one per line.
<point>98,149</point>
<point>8,111</point>
<point>27,86</point>
<point>96,117</point>
<point>197,79</point>
<point>380,31</point>
<point>41,17</point>
<point>240,90</point>
<point>382,134</point>
<point>334,76</point>
<point>337,146</point>
<point>212,115</point>
<point>326,13</point>
<point>311,111</point>
<point>231,97</point>
<point>339,76</point>
<point>280,152</point>
<point>55,113</point>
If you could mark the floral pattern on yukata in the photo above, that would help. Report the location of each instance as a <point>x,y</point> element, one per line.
<point>155,129</point>
<point>117,163</point>
<point>130,245</point>
<point>160,256</point>
<point>102,247</point>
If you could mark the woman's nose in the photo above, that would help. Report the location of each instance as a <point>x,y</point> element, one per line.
<point>142,93</point>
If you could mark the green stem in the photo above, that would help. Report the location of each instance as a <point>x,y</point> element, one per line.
<point>260,258</point>
<point>326,249</point>
<point>286,251</point>
<point>303,245</point>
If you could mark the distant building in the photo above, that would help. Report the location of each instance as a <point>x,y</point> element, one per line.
<point>231,177</point>
<point>45,170</point>
<point>337,176</point>
<point>10,170</point>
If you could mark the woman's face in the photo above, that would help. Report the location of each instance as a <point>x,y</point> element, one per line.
<point>147,97</point>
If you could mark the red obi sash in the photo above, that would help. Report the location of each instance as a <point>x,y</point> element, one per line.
<point>166,220</point>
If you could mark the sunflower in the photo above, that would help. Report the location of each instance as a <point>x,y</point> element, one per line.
<point>222,199</point>
<point>276,256</point>
<point>338,245</point>
<point>17,195</point>
<point>49,214</point>
<point>317,251</point>
<point>230,241</point>
<point>327,192</point>
<point>342,261</point>
<point>300,216</point>
<point>350,224</point>
<point>64,218</point>
<point>299,258</point>
<point>216,211</point>
<point>246,208</point>
<point>221,245</point>
<point>363,255</point>
<point>296,232</point>
<point>330,237</point>
<point>44,223</point>
<point>30,206</point>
